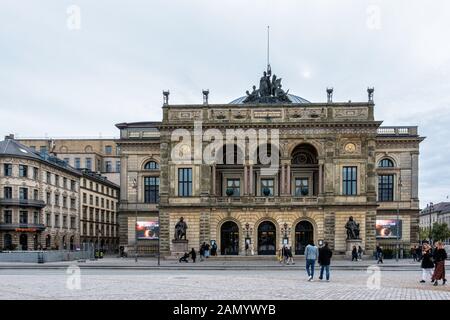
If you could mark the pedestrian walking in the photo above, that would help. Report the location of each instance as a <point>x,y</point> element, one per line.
<point>439,256</point>
<point>427,264</point>
<point>354,254</point>
<point>325,255</point>
<point>193,255</point>
<point>285,254</point>
<point>360,253</point>
<point>379,254</point>
<point>290,256</point>
<point>202,251</point>
<point>311,255</point>
<point>414,253</point>
<point>207,252</point>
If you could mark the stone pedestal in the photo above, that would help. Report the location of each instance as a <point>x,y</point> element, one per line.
<point>350,244</point>
<point>179,247</point>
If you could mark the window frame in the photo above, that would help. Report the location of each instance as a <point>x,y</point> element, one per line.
<point>185,182</point>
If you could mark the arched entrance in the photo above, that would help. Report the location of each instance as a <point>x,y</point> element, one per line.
<point>23,241</point>
<point>8,242</point>
<point>229,238</point>
<point>304,234</point>
<point>267,238</point>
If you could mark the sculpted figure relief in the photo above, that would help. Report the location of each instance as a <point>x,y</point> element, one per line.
<point>269,91</point>
<point>352,229</point>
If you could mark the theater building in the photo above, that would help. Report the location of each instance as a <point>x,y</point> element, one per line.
<point>335,160</point>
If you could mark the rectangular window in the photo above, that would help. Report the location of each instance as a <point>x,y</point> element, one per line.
<point>301,187</point>
<point>65,222</point>
<point>56,180</point>
<point>349,175</point>
<point>185,182</point>
<point>23,193</point>
<point>89,163</point>
<point>36,217</point>
<point>267,184</point>
<point>7,191</point>
<point>108,166</point>
<point>35,173</point>
<point>73,185</point>
<point>107,204</point>
<point>118,166</point>
<point>33,148</point>
<point>7,167</point>
<point>23,217</point>
<point>64,202</point>
<point>386,187</point>
<point>72,203</point>
<point>91,199</point>
<point>72,223</point>
<point>151,190</point>
<point>102,203</point>
<point>56,220</point>
<point>84,198</point>
<point>108,149</point>
<point>96,201</point>
<point>49,194</point>
<point>7,216</point>
<point>65,183</point>
<point>23,171</point>
<point>36,194</point>
<point>91,214</point>
<point>56,199</point>
<point>77,163</point>
<point>49,177</point>
<point>48,219</point>
<point>234,185</point>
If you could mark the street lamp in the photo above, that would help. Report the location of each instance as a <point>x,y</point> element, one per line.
<point>398,217</point>
<point>135,187</point>
<point>430,211</point>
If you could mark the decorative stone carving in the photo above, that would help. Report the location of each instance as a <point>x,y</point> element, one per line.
<point>351,113</point>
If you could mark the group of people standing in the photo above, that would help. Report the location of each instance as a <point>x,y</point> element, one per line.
<point>205,251</point>
<point>357,253</point>
<point>433,263</point>
<point>285,255</point>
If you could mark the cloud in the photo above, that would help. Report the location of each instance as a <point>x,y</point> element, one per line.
<point>63,82</point>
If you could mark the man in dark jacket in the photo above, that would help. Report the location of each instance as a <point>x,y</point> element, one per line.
<point>325,255</point>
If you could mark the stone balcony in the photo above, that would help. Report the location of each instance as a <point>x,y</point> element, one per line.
<point>22,227</point>
<point>22,202</point>
<point>398,131</point>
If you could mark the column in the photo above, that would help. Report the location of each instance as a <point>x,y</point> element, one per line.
<point>288,182</point>
<point>283,181</point>
<point>213,173</point>
<point>250,175</point>
<point>320,179</point>
<point>245,180</point>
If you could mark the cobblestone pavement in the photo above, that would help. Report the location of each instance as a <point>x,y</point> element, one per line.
<point>215,284</point>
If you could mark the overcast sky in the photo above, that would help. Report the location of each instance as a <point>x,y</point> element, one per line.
<point>62,76</point>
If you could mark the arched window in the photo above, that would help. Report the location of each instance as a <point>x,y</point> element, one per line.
<point>386,163</point>
<point>151,165</point>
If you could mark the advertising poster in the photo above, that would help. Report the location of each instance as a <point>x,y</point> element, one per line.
<point>389,229</point>
<point>148,229</point>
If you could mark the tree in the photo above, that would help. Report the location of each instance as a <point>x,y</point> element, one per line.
<point>440,231</point>
<point>424,233</point>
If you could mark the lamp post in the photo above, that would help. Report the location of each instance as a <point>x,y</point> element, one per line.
<point>135,187</point>
<point>398,217</point>
<point>430,211</point>
<point>286,230</point>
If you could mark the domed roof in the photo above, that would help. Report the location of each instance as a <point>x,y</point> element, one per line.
<point>293,98</point>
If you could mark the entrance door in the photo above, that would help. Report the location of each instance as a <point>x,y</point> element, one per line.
<point>7,242</point>
<point>229,238</point>
<point>23,241</point>
<point>304,234</point>
<point>266,238</point>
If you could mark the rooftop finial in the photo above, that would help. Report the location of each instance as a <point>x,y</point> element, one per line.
<point>269,71</point>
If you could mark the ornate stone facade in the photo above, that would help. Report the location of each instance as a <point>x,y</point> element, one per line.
<point>330,167</point>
